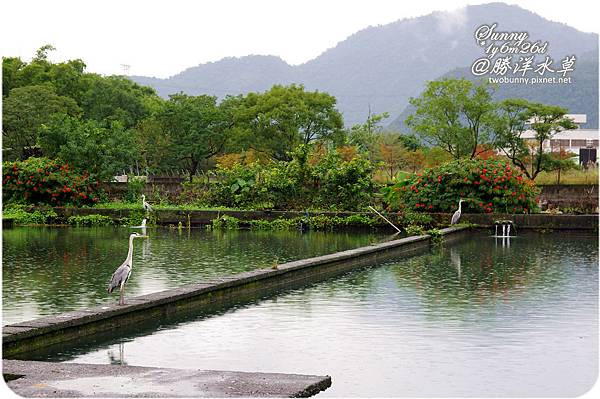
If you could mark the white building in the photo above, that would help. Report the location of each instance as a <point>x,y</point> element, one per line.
<point>569,140</point>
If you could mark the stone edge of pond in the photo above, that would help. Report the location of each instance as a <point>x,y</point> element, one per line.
<point>200,218</point>
<point>38,333</point>
<point>43,379</point>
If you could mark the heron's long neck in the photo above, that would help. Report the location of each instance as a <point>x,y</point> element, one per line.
<point>460,206</point>
<point>130,253</point>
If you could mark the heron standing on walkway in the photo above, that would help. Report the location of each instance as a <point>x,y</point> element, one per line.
<point>121,275</point>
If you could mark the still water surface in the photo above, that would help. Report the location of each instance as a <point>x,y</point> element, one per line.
<point>477,318</point>
<point>49,270</point>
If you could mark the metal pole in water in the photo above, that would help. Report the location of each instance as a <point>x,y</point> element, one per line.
<point>496,234</point>
<point>503,230</point>
<point>508,230</point>
<point>383,217</point>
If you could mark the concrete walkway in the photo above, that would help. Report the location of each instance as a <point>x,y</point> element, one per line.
<point>42,379</point>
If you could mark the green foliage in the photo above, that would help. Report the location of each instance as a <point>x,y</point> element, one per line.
<point>410,217</point>
<point>316,222</point>
<point>90,220</point>
<point>89,145</point>
<point>22,214</point>
<point>436,236</point>
<point>341,184</point>
<point>414,230</point>
<point>364,135</point>
<point>486,185</point>
<point>25,111</point>
<point>135,189</point>
<point>109,99</point>
<point>278,120</point>
<point>45,181</point>
<point>226,222</point>
<point>328,183</point>
<point>196,128</point>
<point>454,114</point>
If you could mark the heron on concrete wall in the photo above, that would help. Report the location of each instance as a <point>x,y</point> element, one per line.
<point>121,275</point>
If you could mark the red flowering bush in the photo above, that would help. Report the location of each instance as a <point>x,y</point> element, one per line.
<point>486,185</point>
<point>45,181</point>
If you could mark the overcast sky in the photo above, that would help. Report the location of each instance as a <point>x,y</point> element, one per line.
<point>161,38</point>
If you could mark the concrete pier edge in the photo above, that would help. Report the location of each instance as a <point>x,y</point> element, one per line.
<point>44,379</point>
<point>35,334</point>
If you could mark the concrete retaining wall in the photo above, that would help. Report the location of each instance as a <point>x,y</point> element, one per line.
<point>201,218</point>
<point>579,196</point>
<point>35,334</point>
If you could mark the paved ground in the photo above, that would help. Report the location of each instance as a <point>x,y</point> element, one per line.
<point>42,379</point>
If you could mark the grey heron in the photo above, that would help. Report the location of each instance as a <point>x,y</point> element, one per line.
<point>121,275</point>
<point>456,215</point>
<point>145,204</point>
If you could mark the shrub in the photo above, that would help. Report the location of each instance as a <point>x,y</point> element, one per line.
<point>345,185</point>
<point>323,181</point>
<point>21,214</point>
<point>135,188</point>
<point>45,181</point>
<point>486,185</point>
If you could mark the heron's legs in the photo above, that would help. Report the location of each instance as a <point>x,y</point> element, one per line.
<point>121,294</point>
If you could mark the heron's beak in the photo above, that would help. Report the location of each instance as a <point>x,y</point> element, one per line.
<point>144,237</point>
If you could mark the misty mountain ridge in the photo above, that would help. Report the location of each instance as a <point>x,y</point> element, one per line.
<point>380,68</point>
<point>579,97</point>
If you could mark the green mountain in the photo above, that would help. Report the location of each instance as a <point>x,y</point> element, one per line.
<point>381,67</point>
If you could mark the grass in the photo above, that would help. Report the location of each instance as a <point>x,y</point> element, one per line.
<point>574,176</point>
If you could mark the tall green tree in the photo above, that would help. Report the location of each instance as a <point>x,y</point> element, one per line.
<point>516,116</point>
<point>277,121</point>
<point>115,98</point>
<point>24,112</point>
<point>454,114</point>
<point>196,127</point>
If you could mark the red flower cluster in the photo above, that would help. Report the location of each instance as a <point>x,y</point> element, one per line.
<point>486,185</point>
<point>42,180</point>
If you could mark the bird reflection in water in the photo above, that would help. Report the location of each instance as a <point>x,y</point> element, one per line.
<point>455,259</point>
<point>120,359</point>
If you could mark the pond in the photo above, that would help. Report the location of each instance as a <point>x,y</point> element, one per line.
<point>50,270</point>
<point>481,317</point>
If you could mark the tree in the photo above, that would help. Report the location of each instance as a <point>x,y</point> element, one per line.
<point>392,153</point>
<point>410,142</point>
<point>364,135</point>
<point>280,119</point>
<point>10,70</point>
<point>67,78</point>
<point>196,127</point>
<point>415,160</point>
<point>115,98</point>
<point>89,146</point>
<point>559,161</point>
<point>25,110</point>
<point>516,116</point>
<point>454,114</point>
